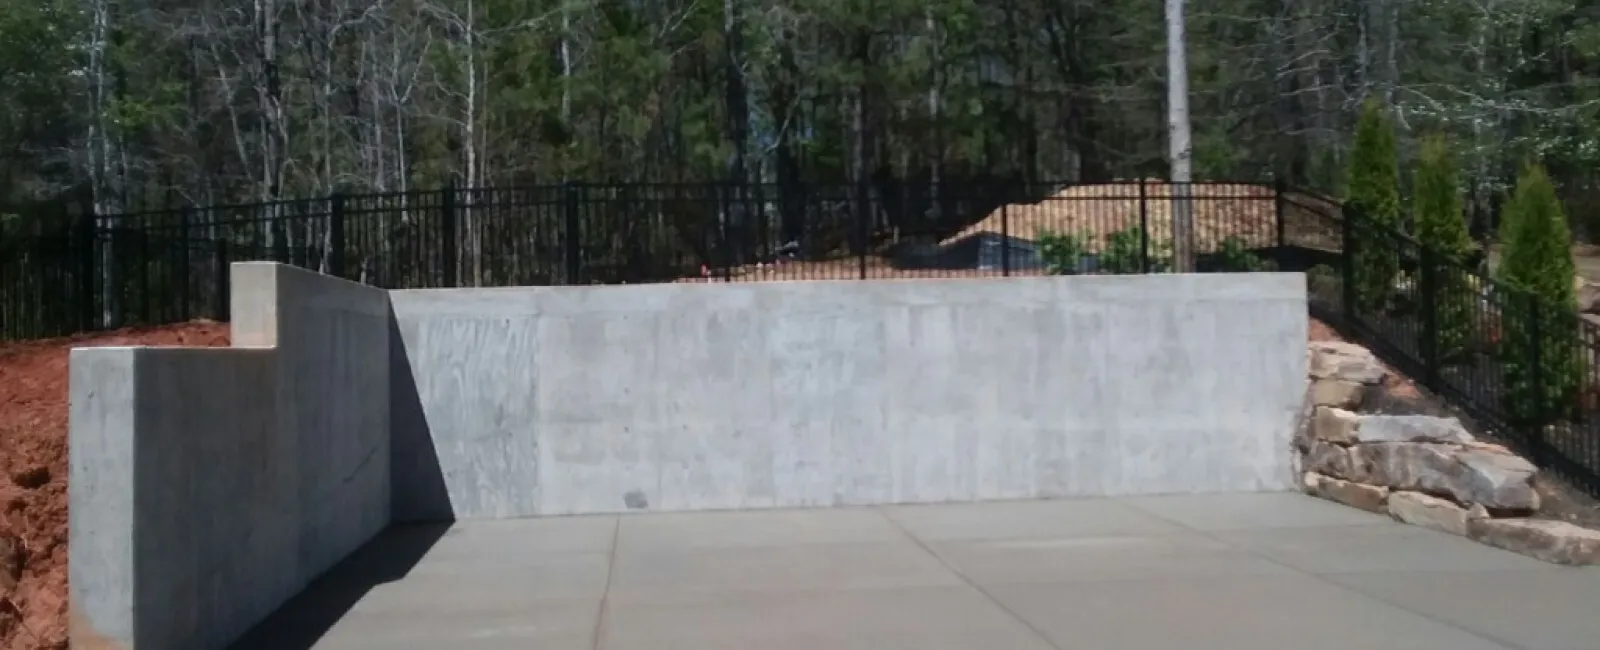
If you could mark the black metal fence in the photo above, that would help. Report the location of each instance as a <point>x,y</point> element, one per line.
<point>1519,366</point>
<point>64,274</point>
<point>1526,369</point>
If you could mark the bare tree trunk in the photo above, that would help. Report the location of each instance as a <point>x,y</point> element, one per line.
<point>566,76</point>
<point>100,151</point>
<point>272,127</point>
<point>469,137</point>
<point>1391,57</point>
<point>1178,139</point>
<point>1481,217</point>
<point>736,100</point>
<point>935,76</point>
<point>1364,50</point>
<point>858,149</point>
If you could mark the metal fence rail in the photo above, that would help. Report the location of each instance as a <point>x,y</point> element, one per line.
<point>1525,369</point>
<point>155,266</point>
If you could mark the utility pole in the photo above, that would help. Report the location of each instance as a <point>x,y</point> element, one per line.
<point>1180,151</point>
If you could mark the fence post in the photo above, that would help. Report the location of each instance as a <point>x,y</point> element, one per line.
<point>863,215</point>
<point>224,281</point>
<point>1428,284</point>
<point>185,217</point>
<point>1279,212</point>
<point>1348,267</point>
<point>571,236</point>
<point>1005,239</point>
<point>449,253</point>
<point>726,206</point>
<point>89,309</point>
<point>336,234</point>
<point>143,233</point>
<point>1144,228</point>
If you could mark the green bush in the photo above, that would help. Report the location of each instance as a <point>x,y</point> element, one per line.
<point>1235,256</point>
<point>1441,226</point>
<point>1124,253</point>
<point>1323,281</point>
<point>1374,192</point>
<point>1061,253</point>
<point>1540,344</point>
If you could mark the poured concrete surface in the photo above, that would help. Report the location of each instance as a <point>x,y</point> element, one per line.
<point>1228,572</point>
<point>524,401</point>
<point>209,485</point>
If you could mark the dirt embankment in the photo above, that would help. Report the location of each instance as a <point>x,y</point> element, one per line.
<point>33,476</point>
<point>1247,212</point>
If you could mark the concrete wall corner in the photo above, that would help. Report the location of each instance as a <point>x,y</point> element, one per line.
<point>100,487</point>
<point>253,303</point>
<point>210,485</point>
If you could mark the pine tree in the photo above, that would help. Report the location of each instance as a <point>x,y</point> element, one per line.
<point>1442,228</point>
<point>1373,197</point>
<point>1541,349</point>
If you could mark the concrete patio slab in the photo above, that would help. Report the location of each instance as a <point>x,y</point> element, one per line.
<point>1228,572</point>
<point>1225,613</point>
<point>690,530</point>
<point>1250,511</point>
<point>1092,559</point>
<point>1369,549</point>
<point>1540,610</point>
<point>1066,518</point>
<point>513,624</point>
<point>920,618</point>
<point>798,567</point>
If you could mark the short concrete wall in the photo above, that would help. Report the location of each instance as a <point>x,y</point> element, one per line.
<point>210,485</point>
<point>535,401</point>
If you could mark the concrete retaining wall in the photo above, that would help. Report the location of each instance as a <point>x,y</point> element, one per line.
<point>533,401</point>
<point>210,485</point>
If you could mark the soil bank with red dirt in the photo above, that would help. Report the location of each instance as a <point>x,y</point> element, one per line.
<point>33,475</point>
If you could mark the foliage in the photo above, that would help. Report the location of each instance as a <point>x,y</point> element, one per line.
<point>397,94</point>
<point>177,102</point>
<point>1442,228</point>
<point>1234,256</point>
<point>1124,253</point>
<point>1540,346</point>
<point>1374,194</point>
<point>1437,201</point>
<point>1062,253</point>
<point>1322,281</point>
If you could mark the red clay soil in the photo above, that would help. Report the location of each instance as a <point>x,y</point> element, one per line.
<point>33,475</point>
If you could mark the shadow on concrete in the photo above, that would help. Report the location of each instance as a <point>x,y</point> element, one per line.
<point>299,623</point>
<point>417,487</point>
<point>420,514</point>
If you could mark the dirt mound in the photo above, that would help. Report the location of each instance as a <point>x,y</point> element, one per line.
<point>1221,210</point>
<point>33,476</point>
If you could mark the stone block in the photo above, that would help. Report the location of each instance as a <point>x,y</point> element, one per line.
<point>1429,512</point>
<point>1356,495</point>
<point>1552,541</point>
